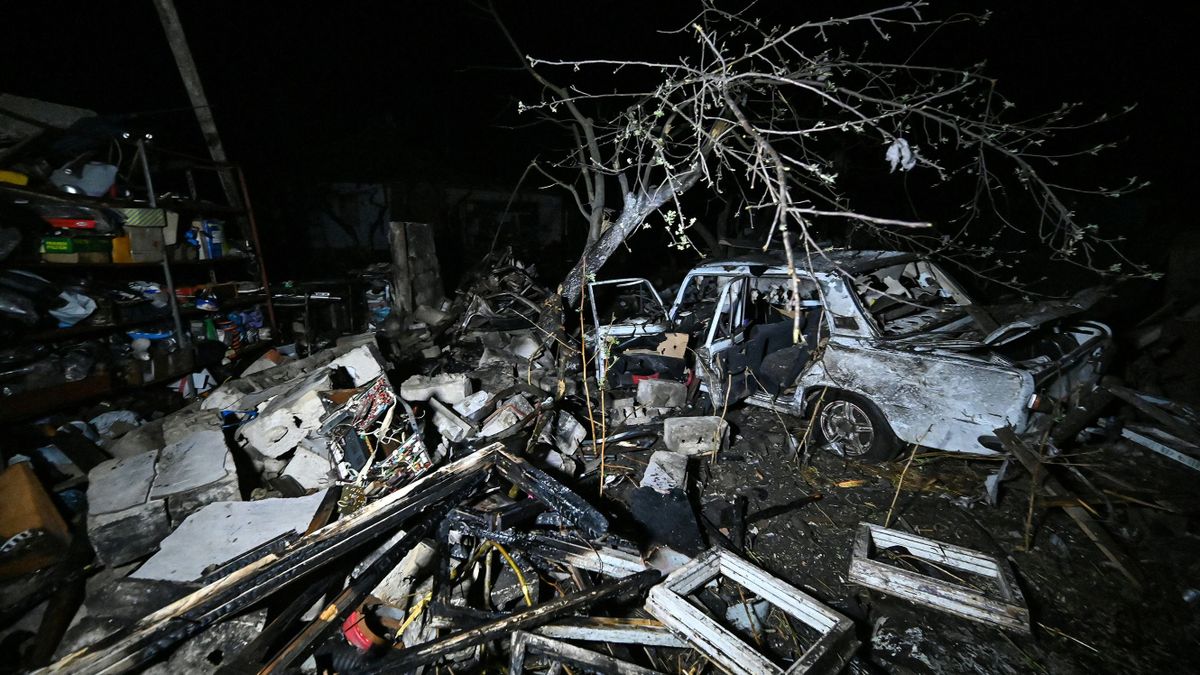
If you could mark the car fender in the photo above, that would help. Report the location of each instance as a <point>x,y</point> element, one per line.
<point>929,400</point>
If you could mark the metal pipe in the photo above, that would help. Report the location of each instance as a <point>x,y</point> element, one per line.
<point>262,264</point>
<point>185,341</point>
<point>191,81</point>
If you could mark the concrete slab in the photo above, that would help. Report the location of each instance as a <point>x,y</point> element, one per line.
<point>288,417</point>
<point>143,439</point>
<point>123,536</point>
<point>310,469</point>
<point>184,422</point>
<point>224,530</point>
<point>364,364</point>
<point>118,484</point>
<point>197,470</point>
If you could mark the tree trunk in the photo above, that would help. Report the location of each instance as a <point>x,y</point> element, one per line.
<point>636,209</point>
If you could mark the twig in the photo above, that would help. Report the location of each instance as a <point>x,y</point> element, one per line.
<point>900,483</point>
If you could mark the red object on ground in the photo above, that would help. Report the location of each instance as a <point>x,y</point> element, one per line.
<point>354,630</point>
<point>639,378</point>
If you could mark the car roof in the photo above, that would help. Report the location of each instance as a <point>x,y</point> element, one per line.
<point>850,261</point>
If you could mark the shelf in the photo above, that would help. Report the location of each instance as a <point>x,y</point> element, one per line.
<point>80,332</point>
<point>168,203</point>
<point>42,265</point>
<point>36,402</point>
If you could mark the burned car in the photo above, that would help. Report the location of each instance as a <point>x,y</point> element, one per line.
<point>890,349</point>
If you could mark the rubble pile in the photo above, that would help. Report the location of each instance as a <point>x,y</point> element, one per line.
<point>488,507</point>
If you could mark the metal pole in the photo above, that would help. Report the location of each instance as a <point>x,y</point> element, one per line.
<point>184,339</point>
<point>191,81</point>
<point>262,264</point>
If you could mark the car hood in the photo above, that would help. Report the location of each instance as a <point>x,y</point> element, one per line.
<point>1032,317</point>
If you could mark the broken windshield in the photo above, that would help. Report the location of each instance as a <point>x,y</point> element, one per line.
<point>908,298</point>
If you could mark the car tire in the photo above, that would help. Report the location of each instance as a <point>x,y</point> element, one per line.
<point>854,427</point>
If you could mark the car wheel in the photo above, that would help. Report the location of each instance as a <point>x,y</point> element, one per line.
<point>855,428</point>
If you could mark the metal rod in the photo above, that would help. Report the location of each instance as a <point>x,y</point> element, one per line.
<point>191,81</point>
<point>262,264</point>
<point>185,341</point>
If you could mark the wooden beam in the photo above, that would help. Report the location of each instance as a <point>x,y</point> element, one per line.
<point>1052,487</point>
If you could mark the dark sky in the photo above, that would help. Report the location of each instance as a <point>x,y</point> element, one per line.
<point>372,90</point>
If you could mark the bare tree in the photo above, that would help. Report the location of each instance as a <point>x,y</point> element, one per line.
<point>759,112</point>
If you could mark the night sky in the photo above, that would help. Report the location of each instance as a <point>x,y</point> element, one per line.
<point>368,91</point>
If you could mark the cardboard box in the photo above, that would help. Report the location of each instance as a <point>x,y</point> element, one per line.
<point>27,508</point>
<point>77,249</point>
<point>146,244</point>
<point>76,244</point>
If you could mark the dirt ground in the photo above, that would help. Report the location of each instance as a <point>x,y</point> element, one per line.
<point>802,515</point>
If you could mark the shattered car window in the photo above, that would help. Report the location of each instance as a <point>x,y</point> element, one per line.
<point>698,302</point>
<point>770,299</point>
<point>905,299</point>
<point>626,303</point>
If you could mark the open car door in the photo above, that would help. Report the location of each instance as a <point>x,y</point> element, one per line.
<point>721,372</point>
<point>623,311</point>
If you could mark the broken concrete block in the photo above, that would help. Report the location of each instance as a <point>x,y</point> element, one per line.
<point>228,396</point>
<point>119,484</point>
<point>507,415</point>
<point>472,406</point>
<point>450,424</point>
<point>289,417</point>
<point>447,388</point>
<point>184,422</point>
<point>696,435</point>
<point>491,358</point>
<point>124,536</point>
<point>224,530</point>
<point>312,470</point>
<point>666,471</point>
<point>635,415</point>
<point>662,393</point>
<point>363,363</point>
<point>524,346</point>
<point>196,471</point>
<point>431,352</point>
<point>122,525</point>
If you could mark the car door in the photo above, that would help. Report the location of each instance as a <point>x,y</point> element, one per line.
<point>720,371</point>
<point>634,310</point>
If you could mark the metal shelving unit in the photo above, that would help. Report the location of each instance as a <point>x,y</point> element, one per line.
<point>37,401</point>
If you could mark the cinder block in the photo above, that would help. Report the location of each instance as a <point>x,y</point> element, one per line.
<point>666,471</point>
<point>447,388</point>
<point>662,393</point>
<point>696,435</point>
